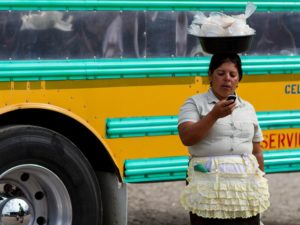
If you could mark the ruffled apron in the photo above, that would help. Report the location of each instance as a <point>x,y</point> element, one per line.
<point>228,187</point>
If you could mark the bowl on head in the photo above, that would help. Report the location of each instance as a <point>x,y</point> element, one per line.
<point>226,44</point>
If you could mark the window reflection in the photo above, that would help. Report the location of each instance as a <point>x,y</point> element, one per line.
<point>128,34</point>
<point>14,208</point>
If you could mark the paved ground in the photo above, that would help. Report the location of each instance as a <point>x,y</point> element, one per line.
<point>13,221</point>
<point>158,204</point>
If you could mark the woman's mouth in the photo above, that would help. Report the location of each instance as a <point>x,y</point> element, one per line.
<point>227,87</point>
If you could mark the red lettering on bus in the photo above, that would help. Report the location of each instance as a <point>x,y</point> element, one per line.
<point>290,139</point>
<point>272,140</point>
<point>264,143</point>
<point>281,138</point>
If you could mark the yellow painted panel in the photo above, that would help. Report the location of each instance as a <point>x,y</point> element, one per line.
<point>93,101</point>
<point>271,92</point>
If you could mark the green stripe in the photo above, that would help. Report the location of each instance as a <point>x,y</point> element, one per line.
<point>146,5</point>
<point>279,119</point>
<point>26,70</point>
<point>167,125</point>
<point>175,168</point>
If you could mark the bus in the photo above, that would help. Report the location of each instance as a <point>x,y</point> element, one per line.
<point>90,92</point>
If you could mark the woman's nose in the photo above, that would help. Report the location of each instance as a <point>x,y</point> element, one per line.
<point>227,76</point>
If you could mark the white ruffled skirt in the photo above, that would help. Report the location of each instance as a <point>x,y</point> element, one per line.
<point>233,187</point>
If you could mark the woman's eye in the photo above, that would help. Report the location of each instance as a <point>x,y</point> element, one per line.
<point>233,74</point>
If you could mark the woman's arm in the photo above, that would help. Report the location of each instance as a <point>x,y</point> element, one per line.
<point>257,152</point>
<point>192,132</point>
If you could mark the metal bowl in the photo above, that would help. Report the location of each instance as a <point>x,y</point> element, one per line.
<point>228,44</point>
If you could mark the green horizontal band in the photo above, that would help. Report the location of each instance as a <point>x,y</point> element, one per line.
<point>175,168</point>
<point>282,161</point>
<point>178,161</point>
<point>167,125</point>
<point>28,70</point>
<point>279,119</point>
<point>273,155</point>
<point>146,5</point>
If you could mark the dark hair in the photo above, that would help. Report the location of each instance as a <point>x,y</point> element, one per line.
<point>218,59</point>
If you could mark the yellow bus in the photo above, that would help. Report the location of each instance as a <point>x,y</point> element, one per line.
<point>90,91</point>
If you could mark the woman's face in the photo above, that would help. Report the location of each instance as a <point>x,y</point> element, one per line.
<point>224,80</point>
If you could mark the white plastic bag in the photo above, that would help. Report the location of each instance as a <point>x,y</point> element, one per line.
<point>221,19</point>
<point>240,26</point>
<point>219,24</point>
<point>212,30</point>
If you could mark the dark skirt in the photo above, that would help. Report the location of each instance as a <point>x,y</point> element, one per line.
<point>197,220</point>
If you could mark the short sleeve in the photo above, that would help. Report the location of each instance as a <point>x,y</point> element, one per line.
<point>258,135</point>
<point>188,112</point>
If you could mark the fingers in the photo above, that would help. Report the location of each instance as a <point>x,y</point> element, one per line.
<point>224,108</point>
<point>230,107</point>
<point>229,102</point>
<point>227,110</point>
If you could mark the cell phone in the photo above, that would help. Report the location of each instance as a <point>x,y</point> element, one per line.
<point>231,97</point>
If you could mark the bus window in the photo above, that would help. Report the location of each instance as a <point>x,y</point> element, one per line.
<point>129,34</point>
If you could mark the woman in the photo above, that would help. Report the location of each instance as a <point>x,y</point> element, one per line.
<point>225,178</point>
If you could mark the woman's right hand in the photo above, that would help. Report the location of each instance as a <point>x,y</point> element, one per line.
<point>223,108</point>
<point>191,133</point>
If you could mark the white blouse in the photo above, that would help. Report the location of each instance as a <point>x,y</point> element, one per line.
<point>230,135</point>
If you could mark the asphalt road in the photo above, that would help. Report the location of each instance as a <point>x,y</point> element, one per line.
<point>14,221</point>
<point>158,203</point>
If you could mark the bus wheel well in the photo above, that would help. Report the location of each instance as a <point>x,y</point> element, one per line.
<point>84,139</point>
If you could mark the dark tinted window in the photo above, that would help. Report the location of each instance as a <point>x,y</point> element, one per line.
<point>128,34</point>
